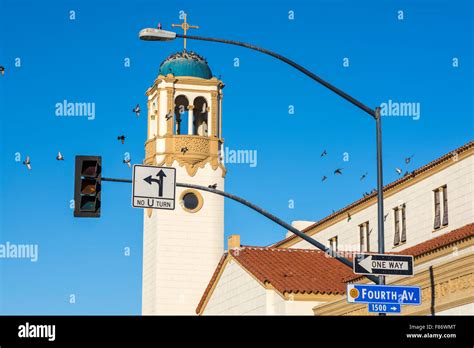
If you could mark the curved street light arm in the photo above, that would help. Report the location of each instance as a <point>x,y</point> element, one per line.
<point>305,71</point>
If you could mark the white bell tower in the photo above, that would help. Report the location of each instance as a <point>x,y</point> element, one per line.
<point>182,247</point>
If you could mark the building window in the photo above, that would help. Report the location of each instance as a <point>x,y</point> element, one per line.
<point>399,214</point>
<point>440,207</point>
<point>396,239</point>
<point>333,243</point>
<point>364,235</point>
<point>191,201</point>
<point>200,122</point>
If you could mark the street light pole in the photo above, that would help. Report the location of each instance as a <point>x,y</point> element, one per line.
<point>150,34</point>
<point>380,211</point>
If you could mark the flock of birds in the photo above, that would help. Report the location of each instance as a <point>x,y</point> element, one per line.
<point>338,171</point>
<point>127,161</point>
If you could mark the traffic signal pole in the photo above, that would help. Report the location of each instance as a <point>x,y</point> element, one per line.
<point>314,242</point>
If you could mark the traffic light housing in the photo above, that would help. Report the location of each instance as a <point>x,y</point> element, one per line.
<point>87,186</point>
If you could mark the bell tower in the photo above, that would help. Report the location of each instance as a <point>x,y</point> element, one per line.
<point>182,247</point>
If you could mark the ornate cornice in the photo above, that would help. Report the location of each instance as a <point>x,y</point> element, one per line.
<point>189,151</point>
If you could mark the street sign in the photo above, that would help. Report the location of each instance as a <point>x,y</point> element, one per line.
<point>383,264</point>
<point>389,294</point>
<point>153,187</point>
<point>384,308</point>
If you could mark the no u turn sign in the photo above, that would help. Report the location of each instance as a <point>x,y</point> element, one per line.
<point>153,187</point>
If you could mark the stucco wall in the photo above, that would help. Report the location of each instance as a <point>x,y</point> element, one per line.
<point>237,292</point>
<point>181,249</point>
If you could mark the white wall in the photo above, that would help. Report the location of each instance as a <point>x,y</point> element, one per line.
<point>181,249</point>
<point>419,200</point>
<point>237,292</point>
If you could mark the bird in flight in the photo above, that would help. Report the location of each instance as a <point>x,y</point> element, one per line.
<point>184,150</point>
<point>324,178</point>
<point>136,110</point>
<point>213,186</point>
<point>366,194</point>
<point>408,159</point>
<point>121,138</point>
<point>168,115</point>
<point>2,70</point>
<point>60,156</point>
<point>398,170</point>
<point>27,162</point>
<point>338,171</point>
<point>324,153</point>
<point>363,176</point>
<point>127,162</point>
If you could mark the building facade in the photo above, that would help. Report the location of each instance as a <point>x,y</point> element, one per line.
<point>429,213</point>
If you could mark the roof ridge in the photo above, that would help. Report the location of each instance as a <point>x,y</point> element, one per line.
<point>270,248</point>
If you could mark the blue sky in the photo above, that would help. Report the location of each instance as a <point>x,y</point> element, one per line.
<point>82,60</point>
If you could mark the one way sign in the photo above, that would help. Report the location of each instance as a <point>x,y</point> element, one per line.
<point>383,264</point>
<point>153,187</point>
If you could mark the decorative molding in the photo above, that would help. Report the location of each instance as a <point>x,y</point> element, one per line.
<point>200,151</point>
<point>189,80</point>
<point>170,108</point>
<point>214,113</point>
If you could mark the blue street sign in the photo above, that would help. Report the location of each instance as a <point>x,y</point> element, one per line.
<point>384,308</point>
<point>366,293</point>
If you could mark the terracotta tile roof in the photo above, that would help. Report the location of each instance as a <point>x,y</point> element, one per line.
<point>431,245</point>
<point>386,188</point>
<point>288,270</point>
<point>311,271</point>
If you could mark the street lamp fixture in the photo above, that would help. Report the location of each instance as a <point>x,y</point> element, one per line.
<point>152,34</point>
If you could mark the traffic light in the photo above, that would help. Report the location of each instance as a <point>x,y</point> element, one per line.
<point>87,185</point>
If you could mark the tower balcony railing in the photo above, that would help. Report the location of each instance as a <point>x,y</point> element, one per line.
<point>191,150</point>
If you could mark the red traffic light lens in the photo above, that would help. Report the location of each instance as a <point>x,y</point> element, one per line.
<point>90,168</point>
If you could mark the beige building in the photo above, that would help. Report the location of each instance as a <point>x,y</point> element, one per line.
<point>429,214</point>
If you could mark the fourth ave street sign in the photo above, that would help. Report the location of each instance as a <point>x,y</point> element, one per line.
<point>153,187</point>
<point>383,264</point>
<point>388,294</point>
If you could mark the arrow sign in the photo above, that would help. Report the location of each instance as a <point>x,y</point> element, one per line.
<point>144,187</point>
<point>383,264</point>
<point>160,175</point>
<point>384,308</point>
<point>383,294</point>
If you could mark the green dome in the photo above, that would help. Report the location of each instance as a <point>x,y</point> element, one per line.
<point>186,64</point>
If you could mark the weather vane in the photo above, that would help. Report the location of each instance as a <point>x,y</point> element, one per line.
<point>185,26</point>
